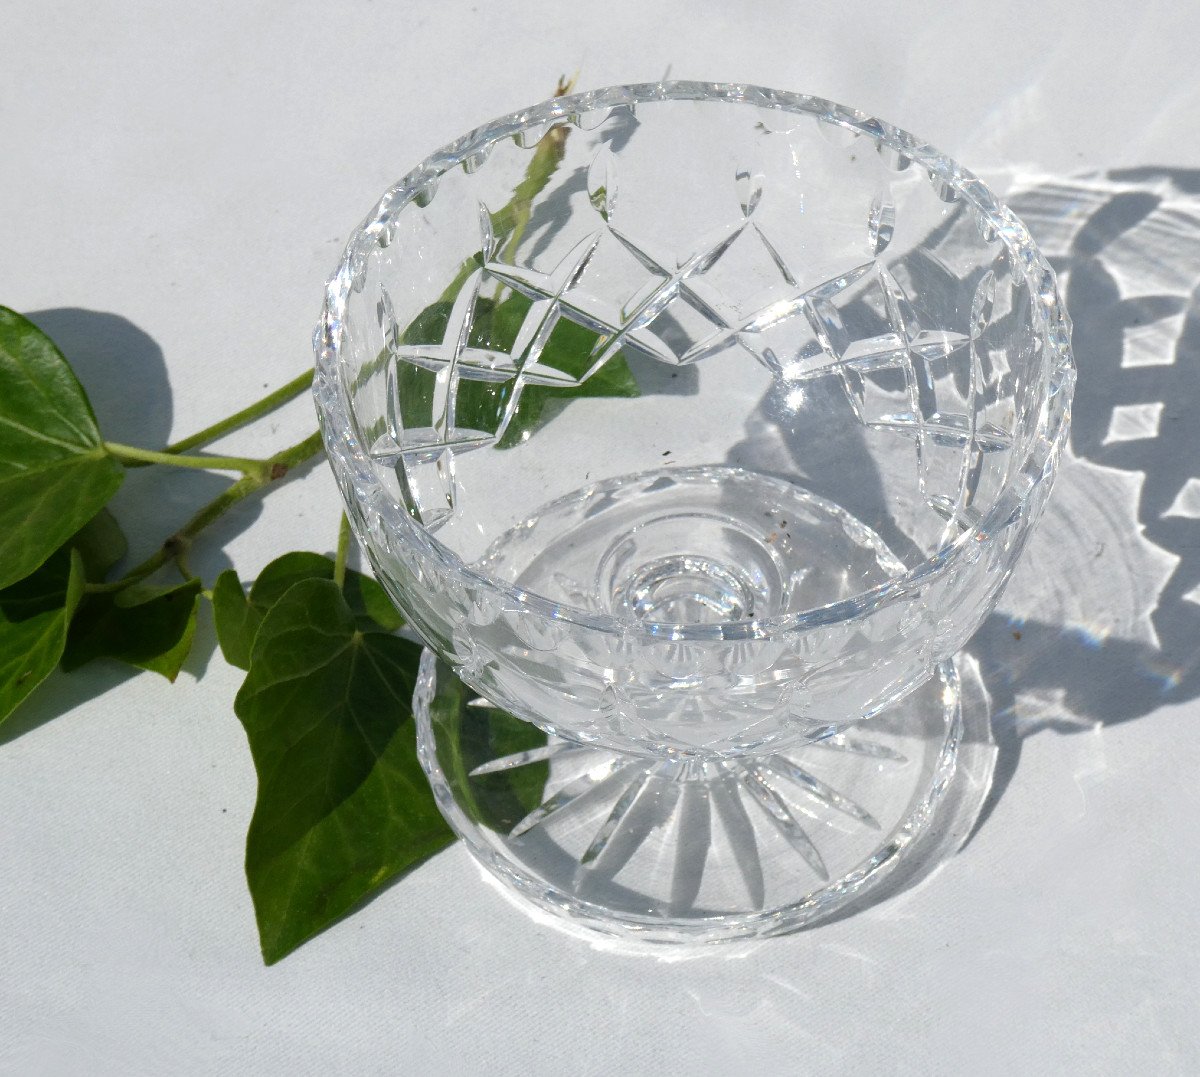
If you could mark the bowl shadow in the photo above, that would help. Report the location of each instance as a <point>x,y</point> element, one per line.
<point>1118,635</point>
<point>1101,623</point>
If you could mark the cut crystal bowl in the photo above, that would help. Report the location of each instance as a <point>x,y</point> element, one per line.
<point>695,428</point>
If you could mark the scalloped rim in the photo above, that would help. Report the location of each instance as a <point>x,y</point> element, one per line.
<point>355,470</point>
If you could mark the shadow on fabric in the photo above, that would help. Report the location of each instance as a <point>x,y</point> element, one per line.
<point>1102,623</point>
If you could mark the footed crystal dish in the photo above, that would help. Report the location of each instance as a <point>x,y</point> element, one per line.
<point>695,428</point>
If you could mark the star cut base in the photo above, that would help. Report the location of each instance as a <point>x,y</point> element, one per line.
<point>672,852</point>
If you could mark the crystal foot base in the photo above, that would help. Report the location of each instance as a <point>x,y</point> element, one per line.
<point>667,851</point>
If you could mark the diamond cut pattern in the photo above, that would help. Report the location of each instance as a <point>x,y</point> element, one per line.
<point>909,380</point>
<point>926,384</point>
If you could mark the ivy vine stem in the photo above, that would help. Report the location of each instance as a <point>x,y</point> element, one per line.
<point>269,403</point>
<point>343,550</point>
<point>130,454</point>
<point>273,469</point>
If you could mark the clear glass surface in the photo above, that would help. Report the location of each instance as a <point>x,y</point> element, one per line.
<point>694,424</point>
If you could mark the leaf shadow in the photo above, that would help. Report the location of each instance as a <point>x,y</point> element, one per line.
<point>62,693</point>
<point>120,365</point>
<point>204,642</point>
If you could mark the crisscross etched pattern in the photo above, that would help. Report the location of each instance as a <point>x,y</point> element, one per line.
<point>912,377</point>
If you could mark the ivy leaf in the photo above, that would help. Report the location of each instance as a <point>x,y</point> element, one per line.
<point>495,327</point>
<point>238,616</point>
<point>285,572</point>
<point>101,543</point>
<point>55,473</point>
<point>569,348</point>
<point>343,805</point>
<point>370,602</point>
<point>148,627</point>
<point>34,615</point>
<point>469,735</point>
<point>237,621</point>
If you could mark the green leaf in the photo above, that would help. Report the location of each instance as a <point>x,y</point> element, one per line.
<point>343,805</point>
<point>469,735</point>
<point>370,602</point>
<point>34,615</point>
<point>540,403</point>
<point>284,572</point>
<point>55,474</point>
<point>366,597</point>
<point>480,404</point>
<point>101,543</point>
<point>237,621</point>
<point>238,616</point>
<point>151,628</point>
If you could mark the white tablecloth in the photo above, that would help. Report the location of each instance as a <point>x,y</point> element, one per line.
<point>176,183</point>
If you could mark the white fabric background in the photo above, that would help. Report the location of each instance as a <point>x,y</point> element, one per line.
<point>190,172</point>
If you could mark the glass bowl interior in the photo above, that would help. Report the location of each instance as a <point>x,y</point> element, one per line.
<point>714,361</point>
